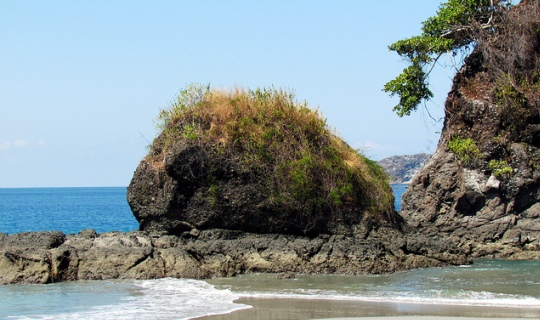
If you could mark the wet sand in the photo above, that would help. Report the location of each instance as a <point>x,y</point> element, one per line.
<point>304,309</point>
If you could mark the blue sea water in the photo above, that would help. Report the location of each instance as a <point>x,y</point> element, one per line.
<point>69,210</point>
<point>398,192</point>
<point>494,284</point>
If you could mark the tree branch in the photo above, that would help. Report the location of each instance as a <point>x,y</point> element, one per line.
<point>434,62</point>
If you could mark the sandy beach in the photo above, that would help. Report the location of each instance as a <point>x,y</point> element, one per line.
<point>304,309</point>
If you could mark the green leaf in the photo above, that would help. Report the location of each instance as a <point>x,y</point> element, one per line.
<point>411,87</point>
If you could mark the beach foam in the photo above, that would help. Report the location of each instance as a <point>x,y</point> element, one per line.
<point>486,299</point>
<point>156,299</point>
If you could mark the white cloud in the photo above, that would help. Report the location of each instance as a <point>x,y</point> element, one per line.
<point>370,146</point>
<point>376,151</point>
<point>19,144</point>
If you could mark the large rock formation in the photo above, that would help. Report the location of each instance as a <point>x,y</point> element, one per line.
<point>481,187</point>
<point>402,169</point>
<point>230,188</point>
<point>255,162</point>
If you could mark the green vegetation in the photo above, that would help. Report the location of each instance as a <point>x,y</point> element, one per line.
<point>465,149</point>
<point>458,26</point>
<point>500,168</point>
<point>281,143</point>
<point>213,192</point>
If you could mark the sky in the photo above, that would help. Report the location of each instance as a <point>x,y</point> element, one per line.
<point>82,82</point>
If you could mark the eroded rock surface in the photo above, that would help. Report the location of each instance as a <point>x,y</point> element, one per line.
<point>45,257</point>
<point>255,161</point>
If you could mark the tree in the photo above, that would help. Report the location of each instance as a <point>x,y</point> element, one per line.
<point>454,29</point>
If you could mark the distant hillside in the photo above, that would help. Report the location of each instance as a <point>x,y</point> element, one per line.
<point>402,168</point>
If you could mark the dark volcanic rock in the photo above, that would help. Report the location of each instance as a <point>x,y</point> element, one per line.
<point>474,209</point>
<point>25,257</point>
<point>175,200</point>
<point>403,168</point>
<point>215,210</point>
<point>212,253</point>
<point>32,240</point>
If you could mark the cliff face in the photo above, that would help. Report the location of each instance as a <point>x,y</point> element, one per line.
<point>481,187</point>
<point>402,169</point>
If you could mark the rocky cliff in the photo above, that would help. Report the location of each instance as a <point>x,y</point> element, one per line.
<point>481,187</point>
<point>402,169</point>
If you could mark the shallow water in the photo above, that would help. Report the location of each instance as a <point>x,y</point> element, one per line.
<point>493,284</point>
<point>485,283</point>
<point>122,299</point>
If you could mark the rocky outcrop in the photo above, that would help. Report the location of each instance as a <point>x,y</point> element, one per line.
<point>45,257</point>
<point>175,198</point>
<point>402,169</point>
<point>486,215</point>
<point>286,195</point>
<point>481,188</point>
<point>236,183</point>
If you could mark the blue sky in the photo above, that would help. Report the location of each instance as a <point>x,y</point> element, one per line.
<point>81,82</point>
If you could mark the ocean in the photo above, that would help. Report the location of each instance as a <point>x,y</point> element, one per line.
<point>486,283</point>
<point>69,210</point>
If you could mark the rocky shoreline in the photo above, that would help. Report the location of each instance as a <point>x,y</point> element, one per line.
<point>46,257</point>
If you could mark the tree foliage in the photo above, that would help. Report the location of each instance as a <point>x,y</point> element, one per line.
<point>452,30</point>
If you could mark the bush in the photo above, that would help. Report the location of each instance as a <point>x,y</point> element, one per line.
<point>465,149</point>
<point>500,168</point>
